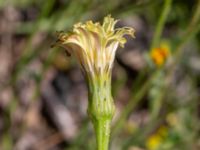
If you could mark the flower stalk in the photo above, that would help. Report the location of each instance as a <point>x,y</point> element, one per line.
<point>94,46</point>
<point>101,109</point>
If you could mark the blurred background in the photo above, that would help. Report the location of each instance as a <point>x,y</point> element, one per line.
<point>156,77</point>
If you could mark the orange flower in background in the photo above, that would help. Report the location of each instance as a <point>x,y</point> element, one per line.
<point>159,55</point>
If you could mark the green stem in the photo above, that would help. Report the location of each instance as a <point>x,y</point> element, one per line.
<point>102,129</point>
<point>161,22</point>
<point>192,29</point>
<point>101,108</point>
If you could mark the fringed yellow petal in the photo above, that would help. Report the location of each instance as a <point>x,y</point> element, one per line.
<point>109,24</point>
<point>94,45</point>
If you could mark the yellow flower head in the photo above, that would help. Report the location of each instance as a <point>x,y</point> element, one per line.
<point>156,140</point>
<point>159,55</point>
<point>94,45</point>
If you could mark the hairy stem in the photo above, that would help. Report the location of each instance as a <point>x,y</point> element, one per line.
<point>102,129</point>
<point>101,108</point>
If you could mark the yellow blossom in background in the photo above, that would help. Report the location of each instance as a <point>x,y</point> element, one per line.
<point>159,55</point>
<point>156,140</point>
